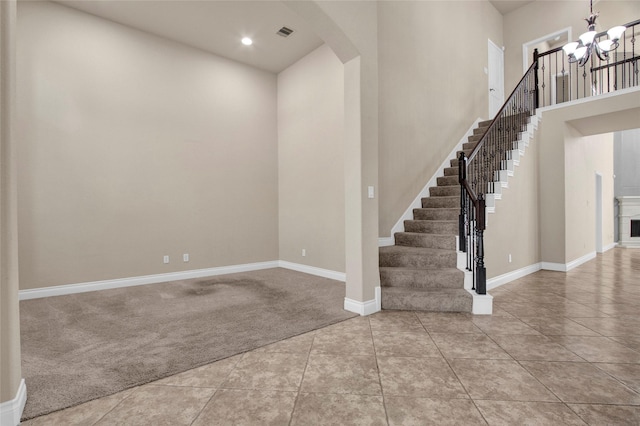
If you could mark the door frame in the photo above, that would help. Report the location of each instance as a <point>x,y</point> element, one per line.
<point>491,68</point>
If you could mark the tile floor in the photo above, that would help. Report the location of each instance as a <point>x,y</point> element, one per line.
<point>559,349</point>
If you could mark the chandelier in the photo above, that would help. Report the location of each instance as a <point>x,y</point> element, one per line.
<point>581,51</point>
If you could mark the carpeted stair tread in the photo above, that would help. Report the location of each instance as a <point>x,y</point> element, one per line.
<point>447,180</point>
<point>451,171</point>
<point>440,191</point>
<point>416,299</point>
<point>469,145</point>
<point>417,257</point>
<point>432,226</point>
<point>421,239</point>
<point>436,202</point>
<point>422,278</point>
<point>440,213</point>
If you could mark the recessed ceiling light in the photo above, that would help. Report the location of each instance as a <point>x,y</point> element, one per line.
<point>247,41</point>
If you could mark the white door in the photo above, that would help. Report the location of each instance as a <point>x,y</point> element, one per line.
<point>495,72</point>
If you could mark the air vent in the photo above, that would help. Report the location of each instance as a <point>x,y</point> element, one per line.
<point>284,32</point>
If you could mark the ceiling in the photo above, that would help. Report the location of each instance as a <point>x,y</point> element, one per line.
<point>506,6</point>
<point>216,27</point>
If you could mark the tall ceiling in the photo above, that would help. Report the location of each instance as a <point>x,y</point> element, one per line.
<point>216,27</point>
<point>506,6</point>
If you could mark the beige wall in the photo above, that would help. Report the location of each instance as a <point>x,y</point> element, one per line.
<point>540,18</point>
<point>10,369</point>
<point>311,161</point>
<point>134,147</point>
<point>514,227</point>
<point>427,105</point>
<point>584,157</point>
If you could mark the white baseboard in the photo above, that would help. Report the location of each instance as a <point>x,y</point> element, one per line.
<point>364,308</point>
<point>174,276</point>
<point>609,247</point>
<point>312,270</point>
<point>386,241</point>
<point>579,261</point>
<point>11,411</point>
<point>565,267</point>
<point>513,275</point>
<point>550,266</point>
<point>417,202</point>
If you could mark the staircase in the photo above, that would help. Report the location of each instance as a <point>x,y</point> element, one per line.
<point>420,271</point>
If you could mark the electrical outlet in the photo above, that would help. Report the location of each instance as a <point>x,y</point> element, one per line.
<point>509,257</point>
<point>185,257</point>
<point>165,259</point>
<point>304,252</point>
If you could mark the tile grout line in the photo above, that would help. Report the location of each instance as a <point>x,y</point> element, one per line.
<point>114,407</point>
<point>217,388</point>
<point>538,380</point>
<point>452,370</point>
<point>304,371</point>
<point>375,355</point>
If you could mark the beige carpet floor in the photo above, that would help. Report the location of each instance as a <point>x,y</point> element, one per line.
<point>79,347</point>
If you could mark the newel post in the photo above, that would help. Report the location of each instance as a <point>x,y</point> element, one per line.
<point>481,273</point>
<point>462,176</point>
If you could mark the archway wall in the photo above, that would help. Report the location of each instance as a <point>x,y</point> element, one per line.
<point>350,29</point>
<point>572,149</point>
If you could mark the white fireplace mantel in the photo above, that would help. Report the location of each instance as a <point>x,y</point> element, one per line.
<point>629,210</point>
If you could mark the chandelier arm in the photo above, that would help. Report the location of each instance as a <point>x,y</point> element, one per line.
<point>604,56</point>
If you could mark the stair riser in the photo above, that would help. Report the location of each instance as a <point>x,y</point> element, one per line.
<point>436,214</point>
<point>415,260</point>
<point>441,202</point>
<point>431,227</point>
<point>444,191</point>
<point>426,302</point>
<point>469,145</point>
<point>451,171</point>
<point>423,279</point>
<point>447,180</point>
<point>445,242</point>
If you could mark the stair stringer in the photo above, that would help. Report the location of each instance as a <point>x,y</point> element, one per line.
<point>524,140</point>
